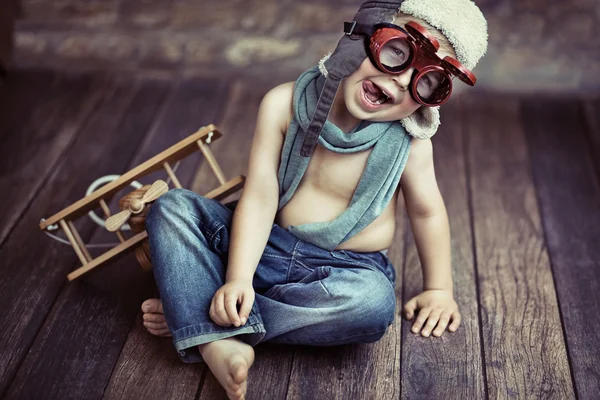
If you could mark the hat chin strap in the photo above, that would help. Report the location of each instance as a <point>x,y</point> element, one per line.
<point>326,98</point>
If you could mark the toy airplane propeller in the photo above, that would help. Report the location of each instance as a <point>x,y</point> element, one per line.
<point>136,206</point>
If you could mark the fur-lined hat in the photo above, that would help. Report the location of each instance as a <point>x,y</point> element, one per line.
<point>460,21</point>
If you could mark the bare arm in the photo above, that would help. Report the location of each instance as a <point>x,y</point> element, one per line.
<point>255,212</point>
<point>428,217</point>
<point>429,221</point>
<point>254,215</point>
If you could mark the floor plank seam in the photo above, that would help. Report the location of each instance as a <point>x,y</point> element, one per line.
<point>74,264</point>
<point>52,170</point>
<point>405,236</point>
<point>465,142</point>
<point>33,339</point>
<point>589,134</point>
<point>162,106</point>
<point>539,200</point>
<point>201,383</point>
<point>289,377</point>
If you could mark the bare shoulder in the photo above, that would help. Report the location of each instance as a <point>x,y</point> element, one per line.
<point>419,185</point>
<point>276,106</point>
<point>420,156</point>
<point>272,121</point>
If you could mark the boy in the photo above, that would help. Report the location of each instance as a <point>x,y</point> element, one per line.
<point>317,276</point>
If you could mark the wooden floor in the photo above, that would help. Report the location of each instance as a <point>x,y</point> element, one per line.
<point>520,179</point>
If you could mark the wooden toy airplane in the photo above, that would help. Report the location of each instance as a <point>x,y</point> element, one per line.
<point>135,206</point>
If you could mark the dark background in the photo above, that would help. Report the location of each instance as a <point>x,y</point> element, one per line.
<point>535,45</point>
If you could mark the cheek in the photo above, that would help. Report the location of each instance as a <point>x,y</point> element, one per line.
<point>407,107</point>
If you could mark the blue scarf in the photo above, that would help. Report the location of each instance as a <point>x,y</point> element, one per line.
<point>380,178</point>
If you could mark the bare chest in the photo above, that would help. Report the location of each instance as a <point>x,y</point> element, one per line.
<point>336,174</point>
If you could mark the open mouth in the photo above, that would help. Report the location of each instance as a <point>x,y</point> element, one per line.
<point>375,95</point>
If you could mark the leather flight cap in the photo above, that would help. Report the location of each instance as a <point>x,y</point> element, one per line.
<point>347,57</point>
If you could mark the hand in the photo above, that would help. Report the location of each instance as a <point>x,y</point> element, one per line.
<point>223,307</point>
<point>437,307</point>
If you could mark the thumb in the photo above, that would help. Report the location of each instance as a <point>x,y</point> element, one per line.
<point>247,302</point>
<point>410,307</point>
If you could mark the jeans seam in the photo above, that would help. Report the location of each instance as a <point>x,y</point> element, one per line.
<point>294,254</point>
<point>321,277</point>
<point>304,265</point>
<point>218,226</point>
<point>275,256</point>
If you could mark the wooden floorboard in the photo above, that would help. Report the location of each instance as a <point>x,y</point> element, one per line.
<point>362,371</point>
<point>20,94</point>
<point>525,353</point>
<point>87,322</point>
<point>569,197</point>
<point>47,110</point>
<point>449,367</point>
<point>591,116</point>
<point>269,375</point>
<point>140,371</point>
<point>520,179</point>
<point>35,265</point>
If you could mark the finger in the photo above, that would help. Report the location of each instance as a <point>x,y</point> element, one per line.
<point>456,319</point>
<point>246,307</point>
<point>220,315</point>
<point>231,299</point>
<point>211,311</point>
<point>441,326</point>
<point>432,321</point>
<point>409,308</point>
<point>421,318</point>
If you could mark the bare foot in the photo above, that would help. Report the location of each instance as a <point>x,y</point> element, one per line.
<point>229,360</point>
<point>154,319</point>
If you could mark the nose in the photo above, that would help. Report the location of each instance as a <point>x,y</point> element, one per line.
<point>403,79</point>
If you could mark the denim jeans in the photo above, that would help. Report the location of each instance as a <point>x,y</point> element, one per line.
<point>304,294</point>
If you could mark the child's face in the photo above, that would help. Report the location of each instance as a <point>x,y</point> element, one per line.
<point>372,95</point>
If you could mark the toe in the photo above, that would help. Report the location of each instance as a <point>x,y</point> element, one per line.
<point>235,393</point>
<point>159,332</point>
<point>156,318</point>
<point>239,372</point>
<point>152,306</point>
<point>154,325</point>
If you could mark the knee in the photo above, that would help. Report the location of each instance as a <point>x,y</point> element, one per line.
<point>374,305</point>
<point>168,209</point>
<point>168,203</point>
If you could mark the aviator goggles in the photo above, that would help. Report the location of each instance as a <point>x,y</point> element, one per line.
<point>394,50</point>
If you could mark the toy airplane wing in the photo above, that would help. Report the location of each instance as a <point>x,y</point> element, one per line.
<point>180,150</point>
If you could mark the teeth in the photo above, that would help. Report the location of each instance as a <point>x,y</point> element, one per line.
<point>380,101</point>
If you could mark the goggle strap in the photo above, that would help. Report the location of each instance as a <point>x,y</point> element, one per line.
<point>356,28</point>
<point>321,113</point>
